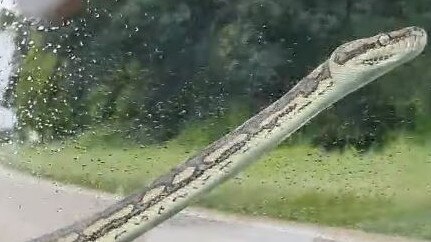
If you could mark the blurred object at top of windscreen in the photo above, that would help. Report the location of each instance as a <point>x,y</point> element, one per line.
<point>44,8</point>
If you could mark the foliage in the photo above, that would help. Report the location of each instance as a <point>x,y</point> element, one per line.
<point>39,98</point>
<point>152,67</point>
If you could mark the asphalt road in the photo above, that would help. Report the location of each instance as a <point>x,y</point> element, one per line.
<point>30,207</point>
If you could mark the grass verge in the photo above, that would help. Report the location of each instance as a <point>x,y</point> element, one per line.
<point>387,191</point>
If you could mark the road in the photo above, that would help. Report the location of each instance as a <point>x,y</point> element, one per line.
<point>30,207</point>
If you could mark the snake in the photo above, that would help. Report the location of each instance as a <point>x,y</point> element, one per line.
<point>351,66</point>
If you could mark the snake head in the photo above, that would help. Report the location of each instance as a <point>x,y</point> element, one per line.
<point>376,55</point>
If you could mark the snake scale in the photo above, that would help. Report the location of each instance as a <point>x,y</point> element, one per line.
<point>350,66</point>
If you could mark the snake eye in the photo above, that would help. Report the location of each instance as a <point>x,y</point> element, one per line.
<point>384,39</point>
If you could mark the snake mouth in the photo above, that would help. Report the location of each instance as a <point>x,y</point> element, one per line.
<point>396,46</point>
<point>382,48</point>
<point>376,60</point>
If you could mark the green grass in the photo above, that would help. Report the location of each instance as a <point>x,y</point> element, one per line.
<point>387,191</point>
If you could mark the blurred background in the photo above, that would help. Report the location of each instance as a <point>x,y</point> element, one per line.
<point>109,94</point>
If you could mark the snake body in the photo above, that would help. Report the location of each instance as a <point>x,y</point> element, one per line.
<point>351,66</point>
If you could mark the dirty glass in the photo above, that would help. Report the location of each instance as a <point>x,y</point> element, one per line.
<point>100,97</point>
